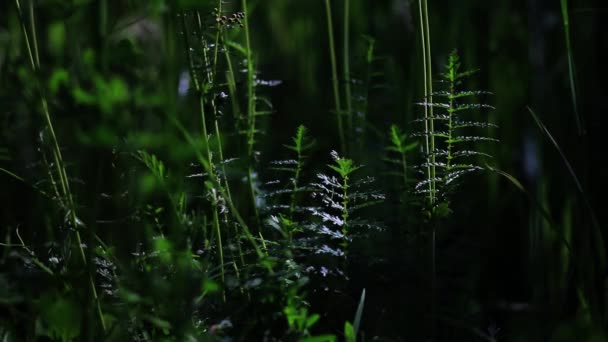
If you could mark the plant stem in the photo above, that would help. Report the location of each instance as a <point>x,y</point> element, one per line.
<point>429,144</point>
<point>251,114</point>
<point>452,80</point>
<point>211,79</point>
<point>212,174</point>
<point>566,22</point>
<point>427,119</point>
<point>346,76</point>
<point>32,48</point>
<point>334,73</point>
<point>429,92</point>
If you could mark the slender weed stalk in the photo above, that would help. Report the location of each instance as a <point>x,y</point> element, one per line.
<point>346,76</point>
<point>215,183</point>
<point>369,74</point>
<point>573,92</point>
<point>334,75</point>
<point>200,89</point>
<point>251,115</point>
<point>429,128</point>
<point>65,195</point>
<point>211,67</point>
<point>429,125</point>
<point>598,239</point>
<point>450,152</point>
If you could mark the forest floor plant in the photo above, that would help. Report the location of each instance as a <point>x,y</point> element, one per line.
<point>453,151</point>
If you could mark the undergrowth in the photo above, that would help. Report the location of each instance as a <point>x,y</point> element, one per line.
<point>158,205</point>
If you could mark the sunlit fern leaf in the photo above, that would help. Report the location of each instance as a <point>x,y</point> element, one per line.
<point>341,197</point>
<point>446,128</point>
<point>460,94</point>
<point>153,164</point>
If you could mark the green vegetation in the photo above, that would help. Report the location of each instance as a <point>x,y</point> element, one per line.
<point>328,170</point>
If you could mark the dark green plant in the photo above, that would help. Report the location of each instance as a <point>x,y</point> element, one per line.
<point>454,154</point>
<point>342,196</point>
<point>400,146</point>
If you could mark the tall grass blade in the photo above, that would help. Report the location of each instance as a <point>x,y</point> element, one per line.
<point>334,75</point>
<point>566,22</point>
<point>359,313</point>
<point>597,231</point>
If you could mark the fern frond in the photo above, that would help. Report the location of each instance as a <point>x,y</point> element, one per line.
<point>451,141</point>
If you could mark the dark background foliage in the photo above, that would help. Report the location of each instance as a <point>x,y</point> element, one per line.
<point>111,72</point>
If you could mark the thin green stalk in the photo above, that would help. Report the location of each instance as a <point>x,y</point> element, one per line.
<point>427,131</point>
<point>208,167</point>
<point>32,255</point>
<point>220,248</point>
<point>404,167</point>
<point>250,85</point>
<point>429,92</point>
<point>199,89</point>
<point>231,81</point>
<point>566,22</point>
<point>211,79</point>
<point>32,48</point>
<point>334,75</point>
<point>429,145</point>
<point>217,38</point>
<point>292,204</point>
<point>362,120</point>
<point>346,76</point>
<point>34,36</point>
<point>251,117</point>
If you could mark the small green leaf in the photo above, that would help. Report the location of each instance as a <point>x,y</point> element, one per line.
<point>210,286</point>
<point>349,333</point>
<point>83,97</point>
<point>56,37</point>
<point>311,320</point>
<point>164,249</point>
<point>58,78</point>
<point>61,316</point>
<point>320,338</point>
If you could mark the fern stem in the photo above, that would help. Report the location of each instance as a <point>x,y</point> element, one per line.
<point>345,201</point>
<point>295,186</point>
<point>452,80</point>
<point>334,75</point>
